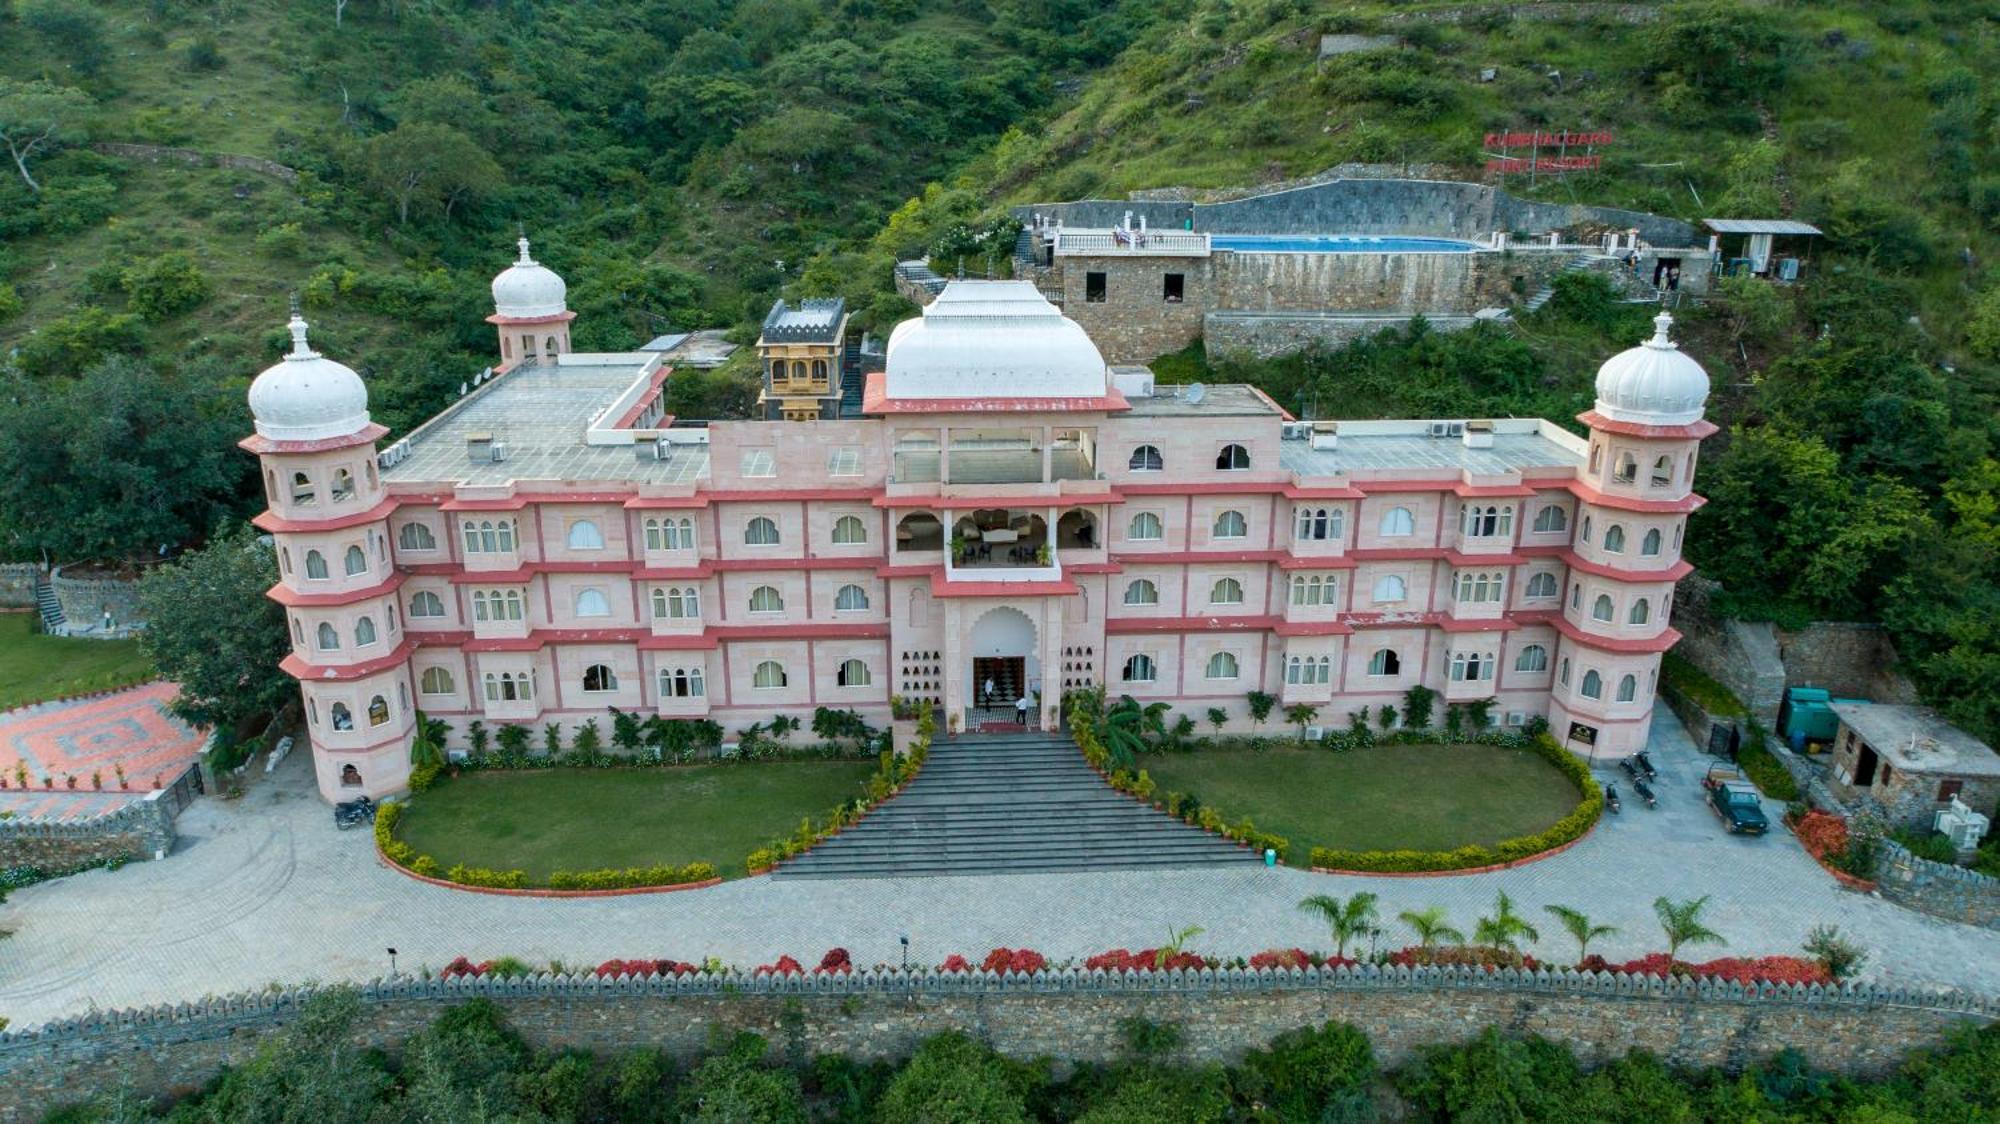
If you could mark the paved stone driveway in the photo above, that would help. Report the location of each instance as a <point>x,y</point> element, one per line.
<point>265,889</point>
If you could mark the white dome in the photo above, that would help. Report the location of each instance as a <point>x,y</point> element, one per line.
<point>529,289</point>
<point>1655,383</point>
<point>993,339</point>
<point>308,397</point>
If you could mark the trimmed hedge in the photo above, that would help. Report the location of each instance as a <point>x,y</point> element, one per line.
<point>1568,829</point>
<point>1083,717</point>
<point>891,773</point>
<point>405,856</point>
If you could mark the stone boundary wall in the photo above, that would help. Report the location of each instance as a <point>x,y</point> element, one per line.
<point>194,158</point>
<point>1939,889</point>
<point>1068,1014</point>
<point>139,830</point>
<point>1850,659</point>
<point>17,584</point>
<point>85,601</point>
<point>1741,655</point>
<point>1267,334</point>
<point>1437,208</point>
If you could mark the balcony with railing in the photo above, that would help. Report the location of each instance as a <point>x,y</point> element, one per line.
<point>997,457</point>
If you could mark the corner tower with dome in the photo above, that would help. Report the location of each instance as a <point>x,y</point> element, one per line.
<point>1009,518</point>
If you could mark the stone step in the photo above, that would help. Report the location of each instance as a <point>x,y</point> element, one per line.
<point>934,864</point>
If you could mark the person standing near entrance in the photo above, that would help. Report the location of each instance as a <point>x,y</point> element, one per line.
<point>1021,710</point>
<point>986,693</point>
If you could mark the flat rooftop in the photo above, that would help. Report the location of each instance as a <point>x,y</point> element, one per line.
<point>1234,400</point>
<point>1918,739</point>
<point>539,412</point>
<point>1404,446</point>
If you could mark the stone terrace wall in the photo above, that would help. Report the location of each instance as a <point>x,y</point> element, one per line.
<point>17,584</point>
<point>1267,334</point>
<point>86,600</point>
<point>1741,655</point>
<point>1066,1014</point>
<point>139,830</point>
<point>1939,889</point>
<point>1439,208</point>
<point>1851,660</point>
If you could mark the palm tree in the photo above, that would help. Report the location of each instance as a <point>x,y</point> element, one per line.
<point>1579,926</point>
<point>1505,928</point>
<point>1430,926</point>
<point>1177,939</point>
<point>1301,715</point>
<point>1681,922</point>
<point>1126,727</point>
<point>1347,920</point>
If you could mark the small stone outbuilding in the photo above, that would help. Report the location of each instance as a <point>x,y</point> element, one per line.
<point>1907,762</point>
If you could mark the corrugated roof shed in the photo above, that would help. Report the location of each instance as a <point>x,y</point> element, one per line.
<point>1759,226</point>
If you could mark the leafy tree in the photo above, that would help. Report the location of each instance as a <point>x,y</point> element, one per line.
<point>952,1079</point>
<point>427,741</point>
<point>1261,705</point>
<point>430,167</point>
<point>513,738</point>
<point>1681,922</point>
<point>1505,929</point>
<point>1430,926</point>
<point>1319,1074</point>
<point>68,345</point>
<point>1417,704</point>
<point>73,31</point>
<point>210,629</point>
<point>1301,715</point>
<point>1345,920</point>
<point>117,464</point>
<point>1729,54</point>
<point>165,285</point>
<point>737,1086</point>
<point>588,738</point>
<point>1217,717</point>
<point>1579,926</point>
<point>37,118</point>
<point>308,1073</point>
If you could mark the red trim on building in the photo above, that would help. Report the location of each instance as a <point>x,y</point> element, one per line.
<point>1694,430</point>
<point>654,382</point>
<point>649,503</point>
<point>1245,488</point>
<point>940,587</point>
<point>1330,492</point>
<point>1588,494</point>
<point>957,502</point>
<point>1493,491</point>
<point>1398,554</point>
<point>677,642</point>
<point>1318,562</point>
<point>276,524</point>
<point>875,400</point>
<point>298,668</point>
<point>260,444</point>
<point>1125,625</point>
<point>1666,639</point>
<point>521,500</point>
<point>1458,558</point>
<point>1176,557</point>
<point>872,631</point>
<point>1477,624</point>
<point>1673,573</point>
<point>1312,628</point>
<point>788,495</point>
<point>1387,484</point>
<point>292,599</point>
<point>1094,568</point>
<point>555,318</point>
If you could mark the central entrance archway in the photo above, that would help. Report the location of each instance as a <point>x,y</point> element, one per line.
<point>1001,649</point>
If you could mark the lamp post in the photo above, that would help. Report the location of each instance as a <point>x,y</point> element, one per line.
<point>904,940</point>
<point>392,963</point>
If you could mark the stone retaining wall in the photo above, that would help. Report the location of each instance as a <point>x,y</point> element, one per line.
<point>194,158</point>
<point>1741,655</point>
<point>1066,1014</point>
<point>17,584</point>
<point>1939,889</point>
<point>1852,660</point>
<point>139,830</point>
<point>1266,334</point>
<point>85,601</point>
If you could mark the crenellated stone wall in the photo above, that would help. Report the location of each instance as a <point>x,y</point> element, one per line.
<point>1939,889</point>
<point>17,584</point>
<point>1066,1014</point>
<point>139,830</point>
<point>85,601</point>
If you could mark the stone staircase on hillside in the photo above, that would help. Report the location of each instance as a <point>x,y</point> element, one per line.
<point>1637,290</point>
<point>1024,253</point>
<point>1010,804</point>
<point>53,620</point>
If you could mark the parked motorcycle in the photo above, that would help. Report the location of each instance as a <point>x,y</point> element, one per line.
<point>1645,792</point>
<point>1646,765</point>
<point>1631,770</point>
<point>1611,797</point>
<point>353,813</point>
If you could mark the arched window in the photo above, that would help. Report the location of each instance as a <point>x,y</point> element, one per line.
<point>506,534</point>
<point>1142,591</point>
<point>681,683</point>
<point>853,673</point>
<point>766,599</point>
<point>303,492</point>
<point>1551,520</point>
<point>1319,523</point>
<point>1138,669</point>
<point>378,711</point>
<point>356,561</point>
<point>1576,596</point>
<point>435,681</point>
<point>1564,674</point>
<point>1389,587</point>
<point>1146,458</point>
<point>680,534</point>
<point>298,633</point>
<point>1398,521</point>
<point>584,535</point>
<point>849,531</point>
<point>1677,536</point>
<point>1471,667</point>
<point>284,560</point>
<point>1485,520</point>
<point>315,564</point>
<point>591,603</point>
<point>1602,609</point>
<point>1649,547</point>
<point>392,616</point>
<point>655,537</point>
<point>1226,591</point>
<point>364,632</point>
<point>327,638</point>
<point>424,603</point>
<point>769,674</point>
<point>599,677</point>
<point>1542,586</point>
<point>1663,472</point>
<point>799,369</point>
<point>343,486</point>
<point>1233,458</point>
<point>850,599</point>
<point>1640,612</point>
<point>479,609</point>
<point>1145,527</point>
<point>1231,525</point>
<point>1385,662</point>
<point>1311,589</point>
<point>513,604</point>
<point>1628,468</point>
<point>1593,685</point>
<point>760,532</point>
<point>343,718</point>
<point>1614,539</point>
<point>416,536</point>
<point>1222,665</point>
<point>1306,669</point>
<point>1479,585</point>
<point>1534,657</point>
<point>1628,688</point>
<point>1596,458</point>
<point>677,603</point>
<point>1585,535</point>
<point>819,370</point>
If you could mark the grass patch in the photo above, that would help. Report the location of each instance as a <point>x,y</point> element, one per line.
<point>34,666</point>
<point>1418,797</point>
<point>1764,769</point>
<point>1678,674</point>
<point>544,820</point>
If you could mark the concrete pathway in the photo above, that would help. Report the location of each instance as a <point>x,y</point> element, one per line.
<point>265,889</point>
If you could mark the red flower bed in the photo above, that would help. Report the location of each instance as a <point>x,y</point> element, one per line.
<point>1822,834</point>
<point>1122,960</point>
<point>643,968</point>
<point>835,962</point>
<point>955,963</point>
<point>1281,958</point>
<point>1461,956</point>
<point>1021,961</point>
<point>463,967</point>
<point>1740,969</point>
<point>785,966</point>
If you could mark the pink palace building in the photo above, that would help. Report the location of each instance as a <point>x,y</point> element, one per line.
<point>1005,509</point>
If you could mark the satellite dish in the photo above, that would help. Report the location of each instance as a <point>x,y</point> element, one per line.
<point>1195,393</point>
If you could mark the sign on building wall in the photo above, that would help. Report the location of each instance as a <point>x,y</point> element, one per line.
<point>1582,734</point>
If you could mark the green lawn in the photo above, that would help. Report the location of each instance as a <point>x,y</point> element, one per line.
<point>35,667</point>
<point>544,820</point>
<point>1424,797</point>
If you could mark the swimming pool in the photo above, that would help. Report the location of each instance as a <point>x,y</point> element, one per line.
<point>1337,244</point>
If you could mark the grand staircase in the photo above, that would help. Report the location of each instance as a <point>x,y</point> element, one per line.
<point>1010,804</point>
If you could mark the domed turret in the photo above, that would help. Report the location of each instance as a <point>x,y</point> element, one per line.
<point>1655,383</point>
<point>306,396</point>
<point>529,290</point>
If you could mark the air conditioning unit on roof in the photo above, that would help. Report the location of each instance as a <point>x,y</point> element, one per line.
<point>1447,429</point>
